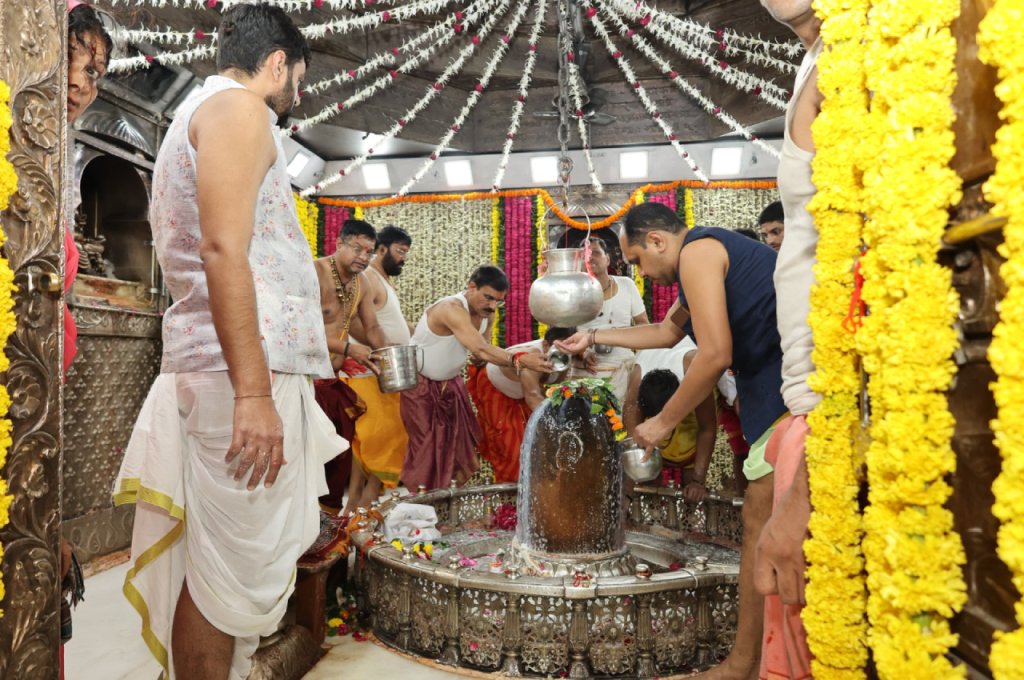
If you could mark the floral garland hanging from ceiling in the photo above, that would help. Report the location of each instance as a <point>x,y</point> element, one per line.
<point>726,54</point>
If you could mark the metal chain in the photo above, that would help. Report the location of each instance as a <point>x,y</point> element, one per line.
<point>565,48</point>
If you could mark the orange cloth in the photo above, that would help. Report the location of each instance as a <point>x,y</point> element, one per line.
<point>784,652</point>
<point>380,439</point>
<point>503,421</point>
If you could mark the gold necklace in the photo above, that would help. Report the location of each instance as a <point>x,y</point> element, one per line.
<point>345,296</point>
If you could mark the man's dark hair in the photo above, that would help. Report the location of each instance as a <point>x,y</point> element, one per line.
<point>251,33</point>
<point>489,275</point>
<point>357,228</point>
<point>749,233</point>
<point>554,333</point>
<point>656,388</point>
<point>647,217</point>
<point>773,213</point>
<point>83,21</point>
<point>391,235</point>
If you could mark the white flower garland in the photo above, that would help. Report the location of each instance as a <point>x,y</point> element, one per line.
<point>524,90</point>
<point>451,71</point>
<point>386,58</point>
<point>641,92</point>
<point>683,84</point>
<point>312,31</point>
<point>663,25</point>
<point>474,96</point>
<point>328,112</point>
<point>287,5</point>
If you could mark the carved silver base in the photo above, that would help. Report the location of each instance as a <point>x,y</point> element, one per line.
<point>535,563</point>
<point>630,624</point>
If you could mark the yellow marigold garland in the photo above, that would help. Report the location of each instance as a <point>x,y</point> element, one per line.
<point>836,595</point>
<point>999,43</point>
<point>688,208</point>
<point>307,211</point>
<point>638,198</point>
<point>912,553</point>
<point>542,327</point>
<point>495,245</point>
<point>8,324</point>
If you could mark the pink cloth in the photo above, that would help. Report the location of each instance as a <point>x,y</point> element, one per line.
<point>784,652</point>
<point>443,433</point>
<point>70,271</point>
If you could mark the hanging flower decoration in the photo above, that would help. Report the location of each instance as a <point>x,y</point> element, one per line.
<point>308,212</point>
<point>912,553</point>
<point>540,231</point>
<point>836,594</point>
<point>599,392</point>
<point>999,43</point>
<point>8,323</point>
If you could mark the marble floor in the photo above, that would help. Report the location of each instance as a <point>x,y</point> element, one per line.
<point>106,645</point>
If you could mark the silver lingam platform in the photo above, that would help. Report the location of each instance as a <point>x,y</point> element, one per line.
<point>673,611</point>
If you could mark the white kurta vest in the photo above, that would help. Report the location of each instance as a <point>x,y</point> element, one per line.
<point>287,290</point>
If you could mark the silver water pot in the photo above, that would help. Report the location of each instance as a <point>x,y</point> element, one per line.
<point>399,370</point>
<point>566,295</point>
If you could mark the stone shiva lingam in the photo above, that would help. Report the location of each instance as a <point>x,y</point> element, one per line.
<point>543,578</point>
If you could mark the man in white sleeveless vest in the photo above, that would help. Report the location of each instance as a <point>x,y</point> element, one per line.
<point>378,448</point>
<point>780,565</point>
<point>230,440</point>
<point>443,432</point>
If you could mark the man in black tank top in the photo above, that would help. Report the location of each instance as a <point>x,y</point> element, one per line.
<point>727,302</point>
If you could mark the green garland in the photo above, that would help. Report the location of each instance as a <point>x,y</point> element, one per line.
<point>499,316</point>
<point>649,298</point>
<point>599,391</point>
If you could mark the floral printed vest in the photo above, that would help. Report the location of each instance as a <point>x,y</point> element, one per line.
<point>287,289</point>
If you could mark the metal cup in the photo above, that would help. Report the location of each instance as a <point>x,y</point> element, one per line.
<point>559,359</point>
<point>603,349</point>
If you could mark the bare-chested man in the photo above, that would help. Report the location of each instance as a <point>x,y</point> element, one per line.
<point>345,295</point>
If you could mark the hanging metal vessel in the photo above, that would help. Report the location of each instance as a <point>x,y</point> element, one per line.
<point>565,295</point>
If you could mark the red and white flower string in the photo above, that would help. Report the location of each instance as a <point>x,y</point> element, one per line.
<point>463,20</point>
<point>577,99</point>
<point>683,84</point>
<point>658,23</point>
<point>474,96</point>
<point>639,89</point>
<point>287,5</point>
<point>450,72</point>
<point>524,90</point>
<point>312,31</point>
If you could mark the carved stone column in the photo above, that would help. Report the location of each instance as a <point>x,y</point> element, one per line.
<point>33,49</point>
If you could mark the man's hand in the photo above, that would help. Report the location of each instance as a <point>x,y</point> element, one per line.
<point>590,362</point>
<point>536,361</point>
<point>651,433</point>
<point>258,436</point>
<point>575,344</point>
<point>779,563</point>
<point>694,492</point>
<point>363,355</point>
<point>479,362</point>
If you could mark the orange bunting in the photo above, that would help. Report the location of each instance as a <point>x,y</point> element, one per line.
<point>548,200</point>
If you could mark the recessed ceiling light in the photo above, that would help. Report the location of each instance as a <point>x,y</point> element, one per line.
<point>458,173</point>
<point>375,176</point>
<point>544,169</point>
<point>633,165</point>
<point>297,164</point>
<point>726,161</point>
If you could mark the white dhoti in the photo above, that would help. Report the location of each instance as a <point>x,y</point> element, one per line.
<point>194,523</point>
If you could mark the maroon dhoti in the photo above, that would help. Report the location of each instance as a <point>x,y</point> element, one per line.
<point>443,433</point>
<point>342,405</point>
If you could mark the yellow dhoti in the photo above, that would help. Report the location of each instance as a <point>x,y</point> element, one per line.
<point>380,440</point>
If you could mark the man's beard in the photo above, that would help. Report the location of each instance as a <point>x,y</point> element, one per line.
<point>283,101</point>
<point>390,266</point>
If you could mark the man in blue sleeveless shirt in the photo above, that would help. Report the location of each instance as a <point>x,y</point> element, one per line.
<point>727,303</point>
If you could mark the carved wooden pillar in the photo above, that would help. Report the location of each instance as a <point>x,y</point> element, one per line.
<point>33,49</point>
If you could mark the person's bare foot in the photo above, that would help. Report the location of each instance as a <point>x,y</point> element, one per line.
<point>733,668</point>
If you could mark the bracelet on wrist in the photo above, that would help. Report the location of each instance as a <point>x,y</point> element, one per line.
<point>253,396</point>
<point>347,343</point>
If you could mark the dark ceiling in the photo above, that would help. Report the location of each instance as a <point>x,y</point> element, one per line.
<point>485,131</point>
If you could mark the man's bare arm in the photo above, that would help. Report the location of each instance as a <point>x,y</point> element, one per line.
<point>456,319</point>
<point>367,315</point>
<point>707,430</point>
<point>630,408</point>
<point>232,137</point>
<point>533,388</point>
